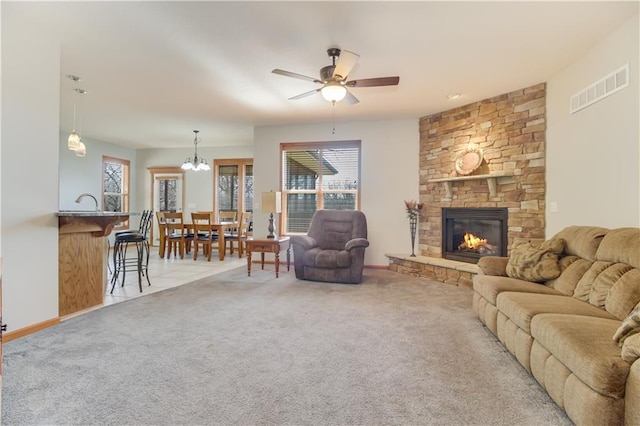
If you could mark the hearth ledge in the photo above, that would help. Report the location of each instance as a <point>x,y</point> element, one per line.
<point>436,261</point>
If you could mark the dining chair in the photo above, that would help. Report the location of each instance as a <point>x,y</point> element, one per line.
<point>227,216</point>
<point>176,235</point>
<point>203,234</point>
<point>162,232</point>
<point>239,234</point>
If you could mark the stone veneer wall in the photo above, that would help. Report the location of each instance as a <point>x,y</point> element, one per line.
<point>510,131</point>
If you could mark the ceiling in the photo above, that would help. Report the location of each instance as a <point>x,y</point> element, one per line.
<point>155,71</point>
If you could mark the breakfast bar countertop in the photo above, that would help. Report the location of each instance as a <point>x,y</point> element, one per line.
<point>91,213</point>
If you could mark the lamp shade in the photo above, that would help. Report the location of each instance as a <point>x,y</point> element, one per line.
<point>271,202</point>
<point>333,92</point>
<point>73,143</point>
<point>81,151</point>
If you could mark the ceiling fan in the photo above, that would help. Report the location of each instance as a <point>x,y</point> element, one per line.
<point>334,78</point>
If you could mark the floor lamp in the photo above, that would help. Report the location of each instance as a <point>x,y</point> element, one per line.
<point>271,202</point>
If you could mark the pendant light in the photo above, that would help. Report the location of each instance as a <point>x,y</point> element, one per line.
<point>196,164</point>
<point>81,150</point>
<point>73,143</point>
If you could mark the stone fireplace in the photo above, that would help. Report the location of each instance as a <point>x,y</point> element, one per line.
<point>471,233</point>
<point>509,130</point>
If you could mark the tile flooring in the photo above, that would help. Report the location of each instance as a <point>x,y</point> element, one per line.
<point>166,273</point>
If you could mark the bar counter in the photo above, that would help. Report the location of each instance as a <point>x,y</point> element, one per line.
<point>82,259</point>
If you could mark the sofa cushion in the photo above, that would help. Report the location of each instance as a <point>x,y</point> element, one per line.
<point>319,258</point>
<point>522,307</point>
<point>584,345</point>
<point>629,327</point>
<point>623,294</point>
<point>631,348</point>
<point>621,245</point>
<point>489,287</point>
<point>537,264</point>
<point>611,286</point>
<point>582,241</point>
<point>572,268</point>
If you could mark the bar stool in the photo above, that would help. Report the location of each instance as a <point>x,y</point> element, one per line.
<point>141,241</point>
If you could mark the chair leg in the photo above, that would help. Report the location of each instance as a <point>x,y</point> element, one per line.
<point>146,265</point>
<point>140,250</point>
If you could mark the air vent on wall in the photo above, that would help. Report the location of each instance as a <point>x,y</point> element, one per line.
<point>599,90</point>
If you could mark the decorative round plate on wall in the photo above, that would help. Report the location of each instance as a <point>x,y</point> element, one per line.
<point>468,161</point>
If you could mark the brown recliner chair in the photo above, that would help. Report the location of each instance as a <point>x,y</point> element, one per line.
<point>333,249</point>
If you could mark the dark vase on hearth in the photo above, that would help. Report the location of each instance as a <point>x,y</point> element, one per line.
<point>413,213</point>
<point>413,225</point>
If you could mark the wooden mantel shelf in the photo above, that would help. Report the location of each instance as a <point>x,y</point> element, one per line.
<point>492,182</point>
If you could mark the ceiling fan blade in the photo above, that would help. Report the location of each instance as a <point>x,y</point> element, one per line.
<point>304,95</point>
<point>372,82</point>
<point>295,75</point>
<point>346,61</point>
<point>350,99</point>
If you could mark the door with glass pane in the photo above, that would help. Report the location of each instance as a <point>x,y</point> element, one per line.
<point>167,189</point>
<point>233,185</point>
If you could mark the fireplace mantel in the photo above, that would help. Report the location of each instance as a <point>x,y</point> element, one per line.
<point>492,182</point>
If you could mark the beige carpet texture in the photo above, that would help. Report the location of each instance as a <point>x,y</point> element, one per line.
<point>238,350</point>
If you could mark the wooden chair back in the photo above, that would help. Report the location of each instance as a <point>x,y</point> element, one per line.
<point>175,232</point>
<point>162,233</point>
<point>227,216</point>
<point>203,233</point>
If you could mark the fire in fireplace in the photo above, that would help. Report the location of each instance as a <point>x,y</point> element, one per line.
<point>471,233</point>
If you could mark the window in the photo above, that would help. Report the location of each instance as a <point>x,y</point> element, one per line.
<point>234,185</point>
<point>115,185</point>
<point>315,176</point>
<point>167,194</point>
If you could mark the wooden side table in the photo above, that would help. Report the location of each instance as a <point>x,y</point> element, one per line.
<point>267,245</point>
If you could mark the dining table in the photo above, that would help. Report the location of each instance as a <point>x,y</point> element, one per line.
<point>219,228</point>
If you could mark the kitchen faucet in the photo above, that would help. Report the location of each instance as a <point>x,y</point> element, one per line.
<point>86,194</point>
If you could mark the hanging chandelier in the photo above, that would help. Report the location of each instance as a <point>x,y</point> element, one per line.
<point>196,163</point>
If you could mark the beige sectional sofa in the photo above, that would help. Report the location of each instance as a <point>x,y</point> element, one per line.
<point>562,330</point>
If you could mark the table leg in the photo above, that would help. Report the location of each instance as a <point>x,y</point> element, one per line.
<point>162,246</point>
<point>262,259</point>
<point>288,257</point>
<point>277,262</point>
<point>248,263</point>
<point>221,244</point>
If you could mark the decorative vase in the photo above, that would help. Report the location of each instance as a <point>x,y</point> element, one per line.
<point>413,225</point>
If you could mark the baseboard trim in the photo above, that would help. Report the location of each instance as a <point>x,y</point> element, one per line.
<point>377,266</point>
<point>284,263</point>
<point>16,334</point>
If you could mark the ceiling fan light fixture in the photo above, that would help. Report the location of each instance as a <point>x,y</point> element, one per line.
<point>333,92</point>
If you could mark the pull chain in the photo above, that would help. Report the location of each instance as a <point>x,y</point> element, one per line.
<point>333,111</point>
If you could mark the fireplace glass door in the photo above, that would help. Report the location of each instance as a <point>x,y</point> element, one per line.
<point>471,233</point>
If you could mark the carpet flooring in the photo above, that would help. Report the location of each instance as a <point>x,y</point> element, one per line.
<point>238,350</point>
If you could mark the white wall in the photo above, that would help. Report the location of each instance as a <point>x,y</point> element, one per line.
<point>84,174</point>
<point>593,156</point>
<point>198,185</point>
<point>389,174</point>
<point>30,123</point>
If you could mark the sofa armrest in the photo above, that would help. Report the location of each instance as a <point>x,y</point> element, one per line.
<point>493,265</point>
<point>355,243</point>
<point>305,241</point>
